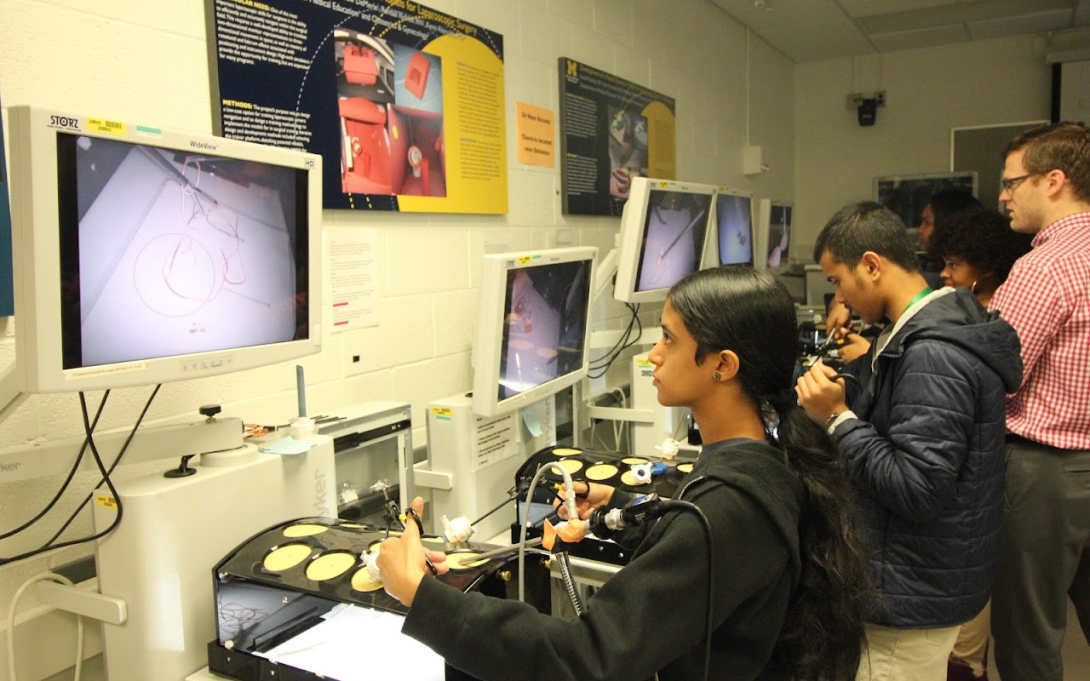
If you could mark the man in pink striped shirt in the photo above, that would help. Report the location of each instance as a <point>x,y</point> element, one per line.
<point>1044,552</point>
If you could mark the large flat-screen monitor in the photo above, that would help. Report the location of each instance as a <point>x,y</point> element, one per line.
<point>533,327</point>
<point>144,256</point>
<point>774,234</point>
<point>734,227</point>
<point>664,230</point>
<point>907,195</point>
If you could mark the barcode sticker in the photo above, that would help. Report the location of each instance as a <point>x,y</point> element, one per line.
<point>103,125</point>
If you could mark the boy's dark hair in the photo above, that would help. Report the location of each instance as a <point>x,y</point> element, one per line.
<point>866,226</point>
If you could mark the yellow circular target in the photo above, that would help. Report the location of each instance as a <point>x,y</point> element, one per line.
<point>566,451</point>
<point>330,565</point>
<point>361,581</point>
<point>304,530</point>
<point>286,557</point>
<point>463,560</point>
<point>602,471</point>
<point>573,466</point>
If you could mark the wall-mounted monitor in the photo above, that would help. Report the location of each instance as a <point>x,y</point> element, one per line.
<point>664,232</point>
<point>774,233</point>
<point>533,327</point>
<point>907,195</point>
<point>734,227</point>
<point>145,256</point>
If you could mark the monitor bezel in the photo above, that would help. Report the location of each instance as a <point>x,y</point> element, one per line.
<point>633,228</point>
<point>718,255</point>
<point>492,315</point>
<point>36,244</point>
<point>763,229</point>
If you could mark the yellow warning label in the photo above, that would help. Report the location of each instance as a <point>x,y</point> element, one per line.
<point>442,412</point>
<point>525,260</point>
<point>106,501</point>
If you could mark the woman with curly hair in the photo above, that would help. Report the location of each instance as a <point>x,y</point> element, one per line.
<point>977,248</point>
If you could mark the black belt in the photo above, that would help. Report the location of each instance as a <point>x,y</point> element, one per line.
<point>1013,439</point>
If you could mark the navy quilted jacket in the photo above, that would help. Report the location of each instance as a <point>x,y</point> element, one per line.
<point>927,453</point>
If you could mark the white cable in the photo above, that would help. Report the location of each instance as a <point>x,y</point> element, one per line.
<point>569,501</point>
<point>43,577</point>
<point>618,425</point>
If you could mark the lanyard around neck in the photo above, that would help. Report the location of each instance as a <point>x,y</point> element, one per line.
<point>919,296</point>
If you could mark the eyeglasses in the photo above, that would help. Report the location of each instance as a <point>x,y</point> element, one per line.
<point>1011,183</point>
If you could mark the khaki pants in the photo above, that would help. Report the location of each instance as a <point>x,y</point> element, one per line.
<point>971,648</point>
<point>906,654</point>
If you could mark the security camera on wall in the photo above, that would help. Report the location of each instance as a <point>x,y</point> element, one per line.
<point>868,112</point>
<point>866,106</point>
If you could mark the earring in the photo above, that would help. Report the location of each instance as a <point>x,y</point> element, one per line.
<point>717,376</point>
<point>972,289</point>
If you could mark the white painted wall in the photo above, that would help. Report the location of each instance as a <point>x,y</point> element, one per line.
<point>928,92</point>
<point>147,60</point>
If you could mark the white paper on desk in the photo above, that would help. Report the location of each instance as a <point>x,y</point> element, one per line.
<point>360,644</point>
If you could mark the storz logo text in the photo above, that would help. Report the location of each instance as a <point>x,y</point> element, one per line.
<point>64,122</point>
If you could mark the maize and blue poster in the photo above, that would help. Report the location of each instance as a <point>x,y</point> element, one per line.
<point>611,130</point>
<point>405,104</point>
<point>7,295</point>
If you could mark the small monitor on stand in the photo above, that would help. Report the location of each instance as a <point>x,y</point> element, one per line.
<point>533,327</point>
<point>734,227</point>
<point>664,232</point>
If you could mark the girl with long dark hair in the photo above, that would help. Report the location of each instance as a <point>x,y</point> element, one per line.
<point>790,583</point>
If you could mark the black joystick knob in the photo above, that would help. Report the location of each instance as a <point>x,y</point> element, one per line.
<point>183,470</point>
<point>210,410</point>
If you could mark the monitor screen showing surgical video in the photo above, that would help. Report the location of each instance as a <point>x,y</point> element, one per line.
<point>779,236</point>
<point>167,252</point>
<point>735,229</point>
<point>546,315</point>
<point>673,238</point>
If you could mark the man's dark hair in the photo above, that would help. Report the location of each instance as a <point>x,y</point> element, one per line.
<point>1061,146</point>
<point>866,226</point>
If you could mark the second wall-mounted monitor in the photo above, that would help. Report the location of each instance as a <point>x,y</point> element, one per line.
<point>664,230</point>
<point>774,234</point>
<point>533,327</point>
<point>734,227</point>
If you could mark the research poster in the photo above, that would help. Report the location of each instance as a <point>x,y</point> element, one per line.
<point>611,130</point>
<point>405,104</point>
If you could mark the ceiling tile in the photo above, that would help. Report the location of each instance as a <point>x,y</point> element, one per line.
<point>1082,13</point>
<point>930,37</point>
<point>979,10</point>
<point>818,41</point>
<point>774,14</point>
<point>1010,26</point>
<point>866,8</point>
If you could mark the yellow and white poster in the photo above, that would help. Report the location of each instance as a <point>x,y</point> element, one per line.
<point>404,103</point>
